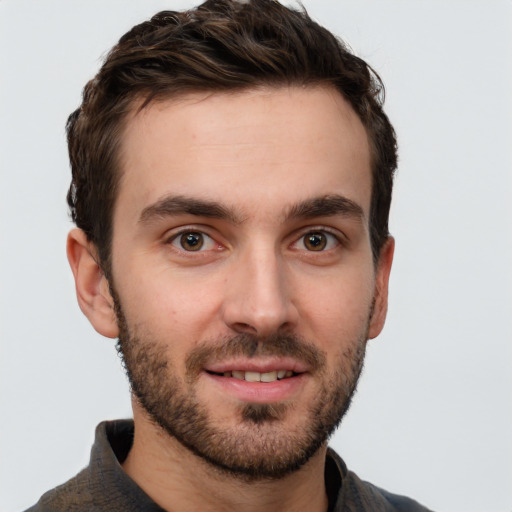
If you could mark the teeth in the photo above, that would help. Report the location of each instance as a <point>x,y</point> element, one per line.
<point>259,377</point>
<point>269,377</point>
<point>252,376</point>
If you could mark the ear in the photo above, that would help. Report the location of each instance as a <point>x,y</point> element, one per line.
<point>91,285</point>
<point>380,307</point>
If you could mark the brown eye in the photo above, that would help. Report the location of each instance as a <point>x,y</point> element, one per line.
<point>315,241</point>
<point>192,241</point>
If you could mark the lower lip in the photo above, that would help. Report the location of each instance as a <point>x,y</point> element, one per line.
<point>259,392</point>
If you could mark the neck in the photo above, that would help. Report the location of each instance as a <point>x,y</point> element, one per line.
<point>176,479</point>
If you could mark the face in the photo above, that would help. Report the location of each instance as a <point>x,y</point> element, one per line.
<point>242,271</point>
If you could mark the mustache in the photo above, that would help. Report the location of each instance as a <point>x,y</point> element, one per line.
<point>251,346</point>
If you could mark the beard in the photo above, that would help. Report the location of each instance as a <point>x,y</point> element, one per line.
<point>257,444</point>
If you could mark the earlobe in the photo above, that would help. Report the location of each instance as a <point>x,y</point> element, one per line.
<point>380,307</point>
<point>91,285</point>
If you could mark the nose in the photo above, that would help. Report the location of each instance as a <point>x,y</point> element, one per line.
<point>258,297</point>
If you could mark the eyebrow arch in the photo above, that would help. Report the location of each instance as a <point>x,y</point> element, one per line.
<point>326,206</point>
<point>180,205</point>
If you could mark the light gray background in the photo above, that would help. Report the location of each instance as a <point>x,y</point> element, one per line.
<point>433,415</point>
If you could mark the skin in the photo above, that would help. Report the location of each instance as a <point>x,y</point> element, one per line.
<point>258,154</point>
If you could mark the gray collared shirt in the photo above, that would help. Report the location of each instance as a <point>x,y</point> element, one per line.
<point>103,486</point>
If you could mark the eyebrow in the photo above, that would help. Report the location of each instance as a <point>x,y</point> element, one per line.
<point>326,206</point>
<point>182,205</point>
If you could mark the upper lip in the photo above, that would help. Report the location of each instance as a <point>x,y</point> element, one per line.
<point>260,365</point>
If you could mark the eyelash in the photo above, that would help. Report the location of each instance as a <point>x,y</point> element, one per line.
<point>189,231</point>
<point>320,231</point>
<point>175,237</point>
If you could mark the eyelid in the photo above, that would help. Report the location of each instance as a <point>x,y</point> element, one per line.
<point>337,234</point>
<point>174,234</point>
<point>186,228</point>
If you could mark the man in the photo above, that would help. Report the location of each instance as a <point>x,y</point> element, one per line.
<point>232,175</point>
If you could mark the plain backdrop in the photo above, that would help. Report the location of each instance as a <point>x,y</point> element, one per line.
<point>433,414</point>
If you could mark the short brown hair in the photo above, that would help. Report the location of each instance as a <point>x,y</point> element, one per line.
<point>221,45</point>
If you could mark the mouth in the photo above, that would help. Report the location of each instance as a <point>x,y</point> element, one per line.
<point>253,376</point>
<point>258,381</point>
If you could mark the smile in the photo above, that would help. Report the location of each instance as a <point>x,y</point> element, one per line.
<point>264,386</point>
<point>251,376</point>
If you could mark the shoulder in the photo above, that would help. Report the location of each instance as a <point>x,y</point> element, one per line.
<point>372,497</point>
<point>72,496</point>
<point>102,486</point>
<point>360,496</point>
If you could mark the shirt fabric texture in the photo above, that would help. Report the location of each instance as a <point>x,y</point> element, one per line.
<point>103,486</point>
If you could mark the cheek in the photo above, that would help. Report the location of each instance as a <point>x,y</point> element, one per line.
<point>170,306</point>
<point>337,308</point>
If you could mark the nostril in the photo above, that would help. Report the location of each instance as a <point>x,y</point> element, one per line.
<point>241,327</point>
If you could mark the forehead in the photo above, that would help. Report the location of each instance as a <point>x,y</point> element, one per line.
<point>273,145</point>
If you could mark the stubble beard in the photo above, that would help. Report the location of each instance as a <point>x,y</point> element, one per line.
<point>258,446</point>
